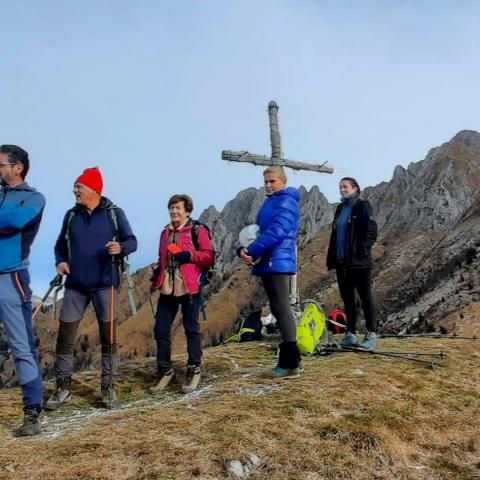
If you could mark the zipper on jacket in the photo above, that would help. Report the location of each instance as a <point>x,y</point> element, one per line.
<point>3,199</point>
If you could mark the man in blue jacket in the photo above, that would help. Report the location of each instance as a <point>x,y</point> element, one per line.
<point>21,208</point>
<point>95,236</point>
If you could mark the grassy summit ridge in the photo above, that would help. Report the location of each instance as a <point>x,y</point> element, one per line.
<point>348,417</point>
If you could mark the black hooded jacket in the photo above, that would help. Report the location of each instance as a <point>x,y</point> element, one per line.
<point>361,235</point>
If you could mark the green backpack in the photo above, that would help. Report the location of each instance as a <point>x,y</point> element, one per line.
<point>310,328</point>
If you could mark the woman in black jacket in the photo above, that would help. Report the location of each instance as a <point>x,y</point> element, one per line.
<point>354,232</point>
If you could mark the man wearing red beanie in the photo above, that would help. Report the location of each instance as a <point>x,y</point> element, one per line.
<point>92,178</point>
<point>94,239</point>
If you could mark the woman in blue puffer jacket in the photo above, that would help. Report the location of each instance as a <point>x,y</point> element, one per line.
<point>273,258</point>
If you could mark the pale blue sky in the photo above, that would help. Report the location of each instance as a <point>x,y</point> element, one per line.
<point>153,91</point>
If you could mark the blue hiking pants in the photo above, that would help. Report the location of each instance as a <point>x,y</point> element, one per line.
<point>16,316</point>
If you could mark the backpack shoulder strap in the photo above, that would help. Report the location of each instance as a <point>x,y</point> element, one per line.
<point>112,210</point>
<point>195,226</point>
<point>68,220</point>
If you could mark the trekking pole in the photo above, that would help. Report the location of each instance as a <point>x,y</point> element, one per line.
<point>429,335</point>
<point>130,286</point>
<point>430,363</point>
<point>111,318</point>
<point>440,354</point>
<point>55,297</point>
<point>55,283</point>
<point>333,348</point>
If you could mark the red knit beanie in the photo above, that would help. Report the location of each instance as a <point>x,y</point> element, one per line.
<point>91,177</point>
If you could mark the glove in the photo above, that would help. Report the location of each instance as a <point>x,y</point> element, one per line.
<point>183,257</point>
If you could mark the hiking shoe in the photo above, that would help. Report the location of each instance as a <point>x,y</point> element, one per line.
<point>61,395</point>
<point>192,380</point>
<point>369,341</point>
<point>109,397</point>
<point>162,381</point>
<point>279,372</point>
<point>31,422</point>
<point>349,340</point>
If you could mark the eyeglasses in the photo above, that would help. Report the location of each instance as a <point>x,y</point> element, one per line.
<point>9,163</point>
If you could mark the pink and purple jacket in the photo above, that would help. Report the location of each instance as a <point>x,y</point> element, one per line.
<point>201,259</point>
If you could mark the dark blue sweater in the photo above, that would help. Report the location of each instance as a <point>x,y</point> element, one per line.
<point>90,263</point>
<point>342,224</point>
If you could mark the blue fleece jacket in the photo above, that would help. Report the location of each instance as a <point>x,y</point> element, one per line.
<point>90,263</point>
<point>279,221</point>
<point>21,210</point>
<point>342,224</point>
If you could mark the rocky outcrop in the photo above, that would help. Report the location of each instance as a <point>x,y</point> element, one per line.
<point>427,259</point>
<point>431,194</point>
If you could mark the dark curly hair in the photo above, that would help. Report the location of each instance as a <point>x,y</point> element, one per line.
<point>17,155</point>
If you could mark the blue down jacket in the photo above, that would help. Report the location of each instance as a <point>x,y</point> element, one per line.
<point>279,221</point>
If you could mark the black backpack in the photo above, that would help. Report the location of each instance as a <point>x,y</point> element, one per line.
<point>206,274</point>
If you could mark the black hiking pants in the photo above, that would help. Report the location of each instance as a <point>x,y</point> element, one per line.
<point>277,290</point>
<point>166,310</point>
<point>359,279</point>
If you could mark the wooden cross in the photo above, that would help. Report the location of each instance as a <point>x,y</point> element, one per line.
<point>276,159</point>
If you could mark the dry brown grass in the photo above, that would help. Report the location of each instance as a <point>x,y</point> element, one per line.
<point>397,421</point>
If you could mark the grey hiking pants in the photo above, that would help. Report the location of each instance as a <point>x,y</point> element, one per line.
<point>75,303</point>
<point>277,289</point>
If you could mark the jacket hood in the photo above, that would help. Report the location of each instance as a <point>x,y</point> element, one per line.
<point>290,191</point>
<point>22,187</point>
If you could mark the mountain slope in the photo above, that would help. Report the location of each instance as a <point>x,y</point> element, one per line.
<point>426,259</point>
<point>348,417</point>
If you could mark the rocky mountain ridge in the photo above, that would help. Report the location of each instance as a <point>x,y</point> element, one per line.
<point>426,259</point>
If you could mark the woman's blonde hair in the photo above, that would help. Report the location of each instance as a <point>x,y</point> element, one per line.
<point>279,171</point>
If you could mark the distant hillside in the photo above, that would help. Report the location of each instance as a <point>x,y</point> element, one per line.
<point>427,259</point>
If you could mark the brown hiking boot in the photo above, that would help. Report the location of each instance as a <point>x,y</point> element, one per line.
<point>31,422</point>
<point>192,380</point>
<point>162,381</point>
<point>61,395</point>
<point>109,397</point>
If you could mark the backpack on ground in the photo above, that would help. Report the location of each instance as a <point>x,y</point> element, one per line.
<point>337,321</point>
<point>310,328</point>
<point>250,329</point>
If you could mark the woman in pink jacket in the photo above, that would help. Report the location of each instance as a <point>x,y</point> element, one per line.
<point>185,252</point>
